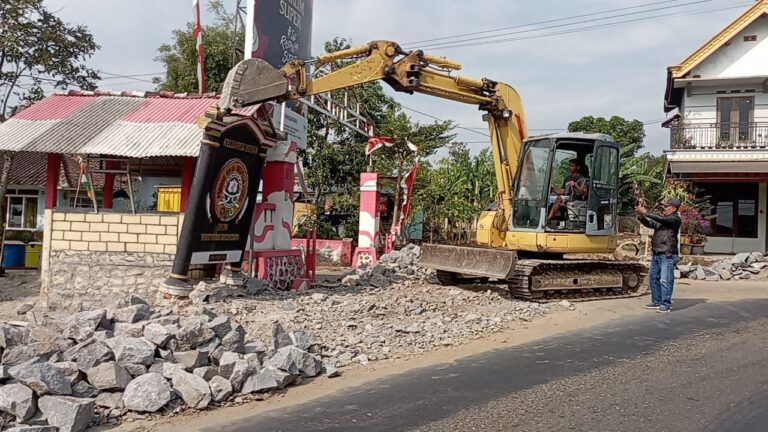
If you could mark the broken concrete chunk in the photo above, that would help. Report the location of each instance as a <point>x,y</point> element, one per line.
<point>241,370</point>
<point>132,350</point>
<point>4,373</point>
<point>84,390</point>
<point>331,371</point>
<point>18,355</point>
<point>83,325</point>
<point>110,400</point>
<point>193,389</point>
<point>267,379</point>
<point>194,332</point>
<point>109,376</point>
<point>294,360</point>
<point>135,330</point>
<point>89,354</point>
<point>69,414</point>
<point>43,378</point>
<point>227,363</point>
<point>234,340</point>
<point>304,340</point>
<point>221,325</point>
<point>255,347</point>
<point>207,373</point>
<point>11,336</point>
<point>18,400</point>
<point>136,299</point>
<point>280,338</point>
<point>170,369</point>
<point>221,388</point>
<point>132,314</point>
<point>157,334</point>
<point>147,393</point>
<point>135,370</point>
<point>70,370</point>
<point>31,428</point>
<point>190,360</point>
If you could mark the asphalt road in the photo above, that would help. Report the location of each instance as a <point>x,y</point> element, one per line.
<point>703,367</point>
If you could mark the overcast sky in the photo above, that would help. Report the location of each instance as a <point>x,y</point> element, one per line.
<point>612,70</point>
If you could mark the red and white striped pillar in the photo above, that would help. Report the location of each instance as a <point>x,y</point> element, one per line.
<point>368,237</point>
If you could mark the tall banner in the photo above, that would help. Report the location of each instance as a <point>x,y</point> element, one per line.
<point>222,198</point>
<point>279,31</point>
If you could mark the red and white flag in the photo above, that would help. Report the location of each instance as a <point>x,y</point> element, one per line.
<point>375,143</point>
<point>407,185</point>
<point>197,33</point>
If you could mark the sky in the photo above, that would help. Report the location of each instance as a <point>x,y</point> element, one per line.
<point>617,69</point>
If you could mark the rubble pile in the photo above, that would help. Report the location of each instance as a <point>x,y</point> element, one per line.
<point>391,310</point>
<point>740,267</point>
<point>96,366</point>
<point>131,360</point>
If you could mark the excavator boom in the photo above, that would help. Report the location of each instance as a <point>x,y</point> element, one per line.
<point>255,81</point>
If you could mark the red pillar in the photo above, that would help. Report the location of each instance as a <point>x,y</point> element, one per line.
<point>52,180</point>
<point>187,174</point>
<point>109,186</point>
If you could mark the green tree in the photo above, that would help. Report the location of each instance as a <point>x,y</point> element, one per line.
<point>397,160</point>
<point>454,193</point>
<point>643,168</point>
<point>37,47</point>
<point>629,134</point>
<point>335,155</point>
<point>180,57</point>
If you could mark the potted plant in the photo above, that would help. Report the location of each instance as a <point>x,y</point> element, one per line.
<point>695,226</point>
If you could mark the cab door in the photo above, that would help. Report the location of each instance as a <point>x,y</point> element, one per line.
<point>603,190</point>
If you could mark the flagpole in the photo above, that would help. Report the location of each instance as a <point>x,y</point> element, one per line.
<point>197,33</point>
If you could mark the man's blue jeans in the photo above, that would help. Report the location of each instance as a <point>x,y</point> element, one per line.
<point>661,277</point>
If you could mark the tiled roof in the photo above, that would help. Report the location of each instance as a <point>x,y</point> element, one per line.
<point>136,125</point>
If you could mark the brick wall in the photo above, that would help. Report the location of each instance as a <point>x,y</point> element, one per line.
<point>91,259</point>
<point>112,232</point>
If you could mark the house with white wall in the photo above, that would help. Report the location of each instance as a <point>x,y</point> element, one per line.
<point>718,98</point>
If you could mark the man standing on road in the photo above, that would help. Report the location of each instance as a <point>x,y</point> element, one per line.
<point>661,275</point>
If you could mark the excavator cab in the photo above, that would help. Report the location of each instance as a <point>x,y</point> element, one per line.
<point>545,199</point>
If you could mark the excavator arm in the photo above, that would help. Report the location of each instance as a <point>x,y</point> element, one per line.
<point>255,81</point>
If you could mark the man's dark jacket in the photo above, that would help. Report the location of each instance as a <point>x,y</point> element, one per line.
<point>665,231</point>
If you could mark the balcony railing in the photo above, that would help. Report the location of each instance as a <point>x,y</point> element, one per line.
<point>714,136</point>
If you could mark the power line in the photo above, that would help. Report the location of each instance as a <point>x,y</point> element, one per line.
<point>537,23</point>
<point>437,45</point>
<point>456,125</point>
<point>132,77</point>
<point>588,28</point>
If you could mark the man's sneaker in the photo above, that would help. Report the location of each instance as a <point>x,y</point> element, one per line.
<point>651,306</point>
<point>663,309</point>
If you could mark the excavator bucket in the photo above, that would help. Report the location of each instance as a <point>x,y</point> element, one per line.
<point>250,82</point>
<point>476,261</point>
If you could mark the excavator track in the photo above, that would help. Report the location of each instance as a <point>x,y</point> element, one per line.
<point>576,280</point>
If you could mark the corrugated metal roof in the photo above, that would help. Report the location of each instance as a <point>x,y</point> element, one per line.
<point>108,124</point>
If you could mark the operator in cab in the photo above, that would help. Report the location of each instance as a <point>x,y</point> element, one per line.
<point>574,186</point>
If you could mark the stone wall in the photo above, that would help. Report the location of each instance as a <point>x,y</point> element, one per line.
<point>94,258</point>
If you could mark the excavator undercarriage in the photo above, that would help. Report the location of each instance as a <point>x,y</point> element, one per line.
<point>536,279</point>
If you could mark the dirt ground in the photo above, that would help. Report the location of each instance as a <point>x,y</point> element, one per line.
<point>16,288</point>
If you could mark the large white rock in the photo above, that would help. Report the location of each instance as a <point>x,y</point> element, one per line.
<point>147,393</point>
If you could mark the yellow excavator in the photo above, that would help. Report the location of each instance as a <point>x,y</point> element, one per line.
<point>538,216</point>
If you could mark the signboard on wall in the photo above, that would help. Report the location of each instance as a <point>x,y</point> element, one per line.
<point>280,31</point>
